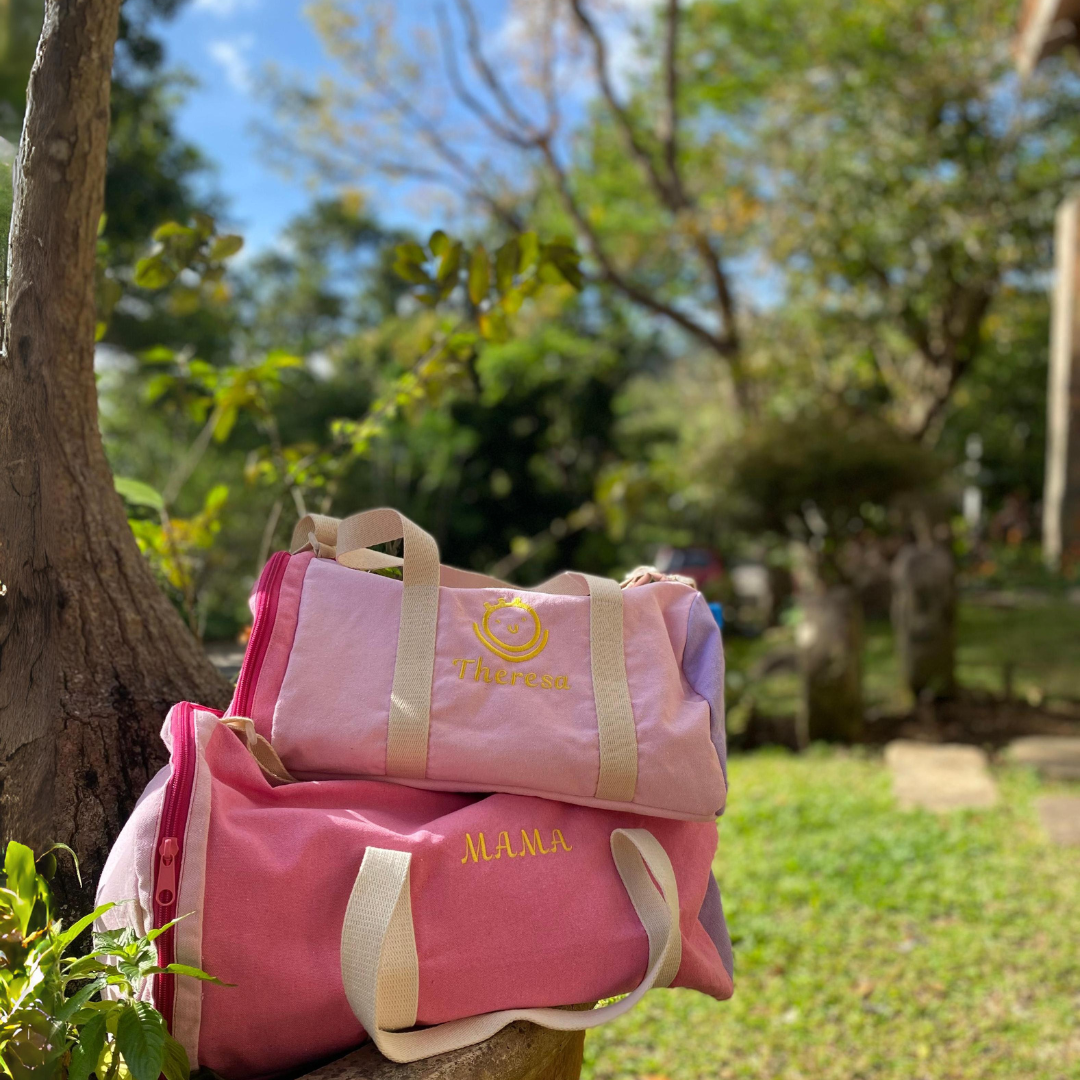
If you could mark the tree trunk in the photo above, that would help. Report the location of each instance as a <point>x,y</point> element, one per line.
<point>91,651</point>
<point>924,618</point>
<point>830,662</point>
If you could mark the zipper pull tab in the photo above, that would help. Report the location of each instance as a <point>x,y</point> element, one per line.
<point>166,883</point>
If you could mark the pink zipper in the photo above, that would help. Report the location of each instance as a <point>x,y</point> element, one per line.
<point>169,848</point>
<point>266,604</point>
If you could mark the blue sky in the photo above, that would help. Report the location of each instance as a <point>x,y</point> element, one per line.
<point>225,44</point>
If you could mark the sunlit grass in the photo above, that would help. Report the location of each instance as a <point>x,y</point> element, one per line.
<point>872,942</point>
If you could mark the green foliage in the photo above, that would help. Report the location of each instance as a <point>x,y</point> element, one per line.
<point>523,267</point>
<point>818,473</point>
<point>51,1026</point>
<point>907,186</point>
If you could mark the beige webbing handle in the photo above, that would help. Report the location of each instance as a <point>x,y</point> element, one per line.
<point>381,972</point>
<point>318,532</point>
<point>410,696</point>
<point>617,779</point>
<point>264,754</point>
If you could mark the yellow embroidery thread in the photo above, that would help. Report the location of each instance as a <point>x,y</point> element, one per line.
<point>477,849</point>
<point>501,619</point>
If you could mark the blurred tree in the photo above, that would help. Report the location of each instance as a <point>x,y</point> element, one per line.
<point>20,24</point>
<point>501,122</point>
<point>909,181</point>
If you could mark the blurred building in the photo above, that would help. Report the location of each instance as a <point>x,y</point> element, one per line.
<point>1047,27</point>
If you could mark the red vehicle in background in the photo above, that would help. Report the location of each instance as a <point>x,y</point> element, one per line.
<point>701,564</point>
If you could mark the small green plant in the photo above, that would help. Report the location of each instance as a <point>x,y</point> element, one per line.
<point>52,1023</point>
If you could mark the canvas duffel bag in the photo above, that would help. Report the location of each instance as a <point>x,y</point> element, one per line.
<point>577,690</point>
<point>342,907</point>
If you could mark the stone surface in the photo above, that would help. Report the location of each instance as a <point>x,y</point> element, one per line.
<point>940,777</point>
<point>1060,815</point>
<point>1057,757</point>
<point>521,1051</point>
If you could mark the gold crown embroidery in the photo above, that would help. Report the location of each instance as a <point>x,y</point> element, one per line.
<point>502,622</point>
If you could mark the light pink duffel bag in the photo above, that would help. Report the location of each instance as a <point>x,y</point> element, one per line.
<point>350,906</point>
<point>578,690</point>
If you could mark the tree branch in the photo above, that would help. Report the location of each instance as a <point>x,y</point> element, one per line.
<point>484,69</point>
<point>670,190</point>
<point>613,276</point>
<point>669,127</point>
<point>666,194</point>
<point>464,95</point>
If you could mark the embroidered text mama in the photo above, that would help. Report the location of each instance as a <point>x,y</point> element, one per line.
<point>530,845</point>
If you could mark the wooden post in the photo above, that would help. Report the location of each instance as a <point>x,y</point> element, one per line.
<point>1061,492</point>
<point>521,1051</point>
<point>829,641</point>
<point>924,618</point>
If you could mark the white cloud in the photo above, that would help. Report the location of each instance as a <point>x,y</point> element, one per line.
<point>223,8</point>
<point>231,57</point>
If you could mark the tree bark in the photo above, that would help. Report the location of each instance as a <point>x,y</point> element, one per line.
<point>830,661</point>
<point>91,651</point>
<point>924,618</point>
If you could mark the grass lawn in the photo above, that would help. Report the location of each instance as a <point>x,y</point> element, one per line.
<point>870,942</point>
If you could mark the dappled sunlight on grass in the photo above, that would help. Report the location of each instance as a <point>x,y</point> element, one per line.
<point>871,942</point>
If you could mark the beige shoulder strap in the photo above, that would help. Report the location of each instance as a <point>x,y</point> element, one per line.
<point>410,695</point>
<point>406,754</point>
<point>381,973</point>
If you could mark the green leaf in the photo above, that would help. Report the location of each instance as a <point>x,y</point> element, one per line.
<point>449,264</point>
<point>57,846</point>
<point>439,243</point>
<point>173,228</point>
<point>140,1037</point>
<point>153,273</point>
<point>154,934</point>
<point>512,301</point>
<point>73,931</point>
<point>479,274</point>
<point>79,1000</point>
<point>411,272</point>
<point>566,260</point>
<point>20,871</point>
<point>493,325</point>
<point>529,251</point>
<point>225,423</point>
<point>176,1065</point>
<point>506,261</point>
<point>84,1057</point>
<point>204,224</point>
<point>216,498</point>
<point>410,252</point>
<point>225,246</point>
<point>159,354</point>
<point>194,973</point>
<point>137,493</point>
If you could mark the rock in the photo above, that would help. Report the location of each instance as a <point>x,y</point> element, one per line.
<point>940,776</point>
<point>1057,757</point>
<point>1060,815</point>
